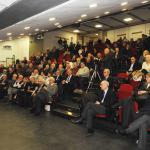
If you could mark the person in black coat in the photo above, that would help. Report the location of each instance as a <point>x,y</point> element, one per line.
<point>117,56</point>
<point>58,77</point>
<point>3,86</point>
<point>133,65</point>
<point>142,118</point>
<point>67,85</point>
<point>108,59</point>
<point>106,76</point>
<point>102,105</point>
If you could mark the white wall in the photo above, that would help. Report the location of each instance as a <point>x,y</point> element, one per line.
<point>19,48</point>
<point>130,32</point>
<point>35,46</point>
<point>51,38</point>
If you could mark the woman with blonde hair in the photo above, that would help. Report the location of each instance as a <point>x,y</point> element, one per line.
<point>146,64</point>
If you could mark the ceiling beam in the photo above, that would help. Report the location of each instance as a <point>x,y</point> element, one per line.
<point>83,24</point>
<point>118,20</point>
<point>129,25</point>
<point>137,17</point>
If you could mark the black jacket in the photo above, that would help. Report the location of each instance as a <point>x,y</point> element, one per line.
<point>109,100</point>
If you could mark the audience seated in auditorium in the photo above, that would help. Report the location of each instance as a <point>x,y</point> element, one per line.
<point>31,82</point>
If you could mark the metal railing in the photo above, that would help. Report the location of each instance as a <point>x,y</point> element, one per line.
<point>8,61</point>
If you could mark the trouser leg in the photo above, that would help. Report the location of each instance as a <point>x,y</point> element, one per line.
<point>137,123</point>
<point>38,105</point>
<point>90,117</point>
<point>91,113</point>
<point>142,124</point>
<point>128,111</point>
<point>84,113</point>
<point>142,136</point>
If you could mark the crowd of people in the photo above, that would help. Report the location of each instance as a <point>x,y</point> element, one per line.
<point>58,72</point>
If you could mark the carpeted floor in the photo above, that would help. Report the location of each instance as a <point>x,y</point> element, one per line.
<point>20,130</point>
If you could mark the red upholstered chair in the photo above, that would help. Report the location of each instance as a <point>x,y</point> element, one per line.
<point>135,84</point>
<point>124,92</point>
<point>101,116</point>
<point>122,75</point>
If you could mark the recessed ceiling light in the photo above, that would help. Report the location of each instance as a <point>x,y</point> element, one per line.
<point>79,20</point>
<point>84,15</point>
<point>59,26</point>
<point>93,5</point>
<point>96,34</point>
<point>97,17</point>
<point>9,34</point>
<point>27,28</point>
<point>52,19</point>
<point>124,3</point>
<point>106,13</point>
<point>22,34</point>
<point>57,23</point>
<point>144,2</point>
<point>76,31</point>
<point>98,26</point>
<point>124,9</point>
<point>128,19</point>
<point>36,29</point>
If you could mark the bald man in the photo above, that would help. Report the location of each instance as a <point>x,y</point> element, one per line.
<point>102,105</point>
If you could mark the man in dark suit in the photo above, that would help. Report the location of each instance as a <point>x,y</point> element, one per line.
<point>142,118</point>
<point>133,65</point>
<point>108,59</point>
<point>67,85</point>
<point>3,86</point>
<point>107,77</point>
<point>58,77</point>
<point>102,105</point>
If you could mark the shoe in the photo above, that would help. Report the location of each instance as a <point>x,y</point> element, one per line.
<point>79,121</point>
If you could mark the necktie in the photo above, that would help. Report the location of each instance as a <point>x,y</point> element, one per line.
<point>104,94</point>
<point>68,79</point>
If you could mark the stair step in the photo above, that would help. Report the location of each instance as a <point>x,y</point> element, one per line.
<point>65,113</point>
<point>68,107</point>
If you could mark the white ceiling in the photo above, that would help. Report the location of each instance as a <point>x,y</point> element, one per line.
<point>6,3</point>
<point>66,13</point>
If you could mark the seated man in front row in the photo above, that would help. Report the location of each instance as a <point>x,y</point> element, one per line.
<point>102,105</point>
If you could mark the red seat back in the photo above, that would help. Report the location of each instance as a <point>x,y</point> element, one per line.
<point>122,75</point>
<point>125,91</point>
<point>135,84</point>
